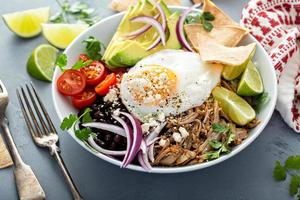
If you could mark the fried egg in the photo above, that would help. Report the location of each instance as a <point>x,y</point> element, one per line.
<point>169,81</point>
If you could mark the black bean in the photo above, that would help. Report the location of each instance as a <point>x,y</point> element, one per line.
<point>100,143</point>
<point>117,139</point>
<point>108,137</point>
<point>112,146</point>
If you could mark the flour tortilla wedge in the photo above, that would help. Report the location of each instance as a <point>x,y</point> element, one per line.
<point>213,52</point>
<point>221,19</point>
<point>229,35</point>
<point>122,5</point>
<point>5,159</point>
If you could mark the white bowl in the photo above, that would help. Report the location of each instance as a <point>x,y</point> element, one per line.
<point>104,31</point>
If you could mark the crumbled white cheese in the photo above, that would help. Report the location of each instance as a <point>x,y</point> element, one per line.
<point>177,137</point>
<point>111,96</point>
<point>183,132</point>
<point>116,112</point>
<point>161,116</point>
<point>145,127</point>
<point>153,122</point>
<point>162,142</point>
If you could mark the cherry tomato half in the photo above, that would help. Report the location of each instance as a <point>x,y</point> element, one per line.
<point>103,88</point>
<point>84,57</point>
<point>71,82</point>
<point>84,99</point>
<point>94,73</point>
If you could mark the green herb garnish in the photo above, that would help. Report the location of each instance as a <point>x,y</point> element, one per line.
<point>79,64</point>
<point>78,11</point>
<point>93,48</point>
<point>204,19</point>
<point>280,173</point>
<point>61,61</point>
<point>70,122</point>
<point>218,146</point>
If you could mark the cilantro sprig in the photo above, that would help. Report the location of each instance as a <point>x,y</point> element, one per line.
<point>280,174</point>
<point>93,48</point>
<point>217,146</point>
<point>78,11</point>
<point>62,62</point>
<point>205,19</point>
<point>70,122</point>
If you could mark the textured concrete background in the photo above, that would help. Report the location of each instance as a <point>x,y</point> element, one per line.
<point>246,176</point>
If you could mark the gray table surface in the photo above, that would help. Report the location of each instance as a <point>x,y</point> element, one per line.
<point>243,177</point>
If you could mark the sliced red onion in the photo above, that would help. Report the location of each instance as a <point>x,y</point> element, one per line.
<point>156,25</point>
<point>179,28</point>
<point>137,138</point>
<point>129,137</point>
<point>107,127</point>
<point>104,151</point>
<point>152,141</point>
<point>155,132</point>
<point>142,30</point>
<point>143,157</point>
<point>151,152</point>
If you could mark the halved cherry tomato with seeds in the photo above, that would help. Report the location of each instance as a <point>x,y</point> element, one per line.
<point>94,73</point>
<point>84,57</point>
<point>103,88</point>
<point>84,99</point>
<point>71,82</point>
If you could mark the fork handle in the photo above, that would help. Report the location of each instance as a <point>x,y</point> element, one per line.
<point>28,185</point>
<point>56,154</point>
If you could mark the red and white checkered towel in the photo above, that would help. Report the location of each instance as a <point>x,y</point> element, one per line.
<point>276,25</point>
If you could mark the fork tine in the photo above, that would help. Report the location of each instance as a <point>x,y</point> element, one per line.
<point>26,115</point>
<point>51,125</point>
<point>37,111</point>
<point>31,114</point>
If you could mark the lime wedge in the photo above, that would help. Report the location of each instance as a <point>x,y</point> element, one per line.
<point>250,83</point>
<point>41,62</point>
<point>234,106</point>
<point>27,23</point>
<point>61,35</point>
<point>232,72</point>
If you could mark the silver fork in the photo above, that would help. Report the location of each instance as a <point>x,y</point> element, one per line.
<point>42,129</point>
<point>27,184</point>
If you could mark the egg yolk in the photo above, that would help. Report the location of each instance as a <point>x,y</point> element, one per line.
<point>153,85</point>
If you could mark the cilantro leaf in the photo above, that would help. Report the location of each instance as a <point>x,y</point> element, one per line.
<point>230,138</point>
<point>220,128</point>
<point>83,134</point>
<point>79,64</point>
<point>294,184</point>
<point>68,122</point>
<point>279,172</point>
<point>193,18</point>
<point>207,26</point>
<point>213,155</point>
<point>208,16</point>
<point>61,61</point>
<point>77,7</point>
<point>57,18</point>
<point>93,48</point>
<point>86,118</point>
<point>293,162</point>
<point>215,144</point>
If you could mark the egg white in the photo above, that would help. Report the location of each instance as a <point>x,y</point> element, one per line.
<point>195,81</point>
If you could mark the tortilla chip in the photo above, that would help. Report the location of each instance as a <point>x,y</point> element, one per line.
<point>213,52</point>
<point>122,5</point>
<point>226,35</point>
<point>5,159</point>
<point>221,19</point>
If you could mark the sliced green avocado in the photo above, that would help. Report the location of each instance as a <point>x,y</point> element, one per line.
<point>172,42</point>
<point>125,52</point>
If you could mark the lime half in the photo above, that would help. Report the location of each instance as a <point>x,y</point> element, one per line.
<point>27,23</point>
<point>250,83</point>
<point>234,106</point>
<point>41,62</point>
<point>61,35</point>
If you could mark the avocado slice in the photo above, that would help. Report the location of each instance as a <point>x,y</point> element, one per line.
<point>125,52</point>
<point>172,42</point>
